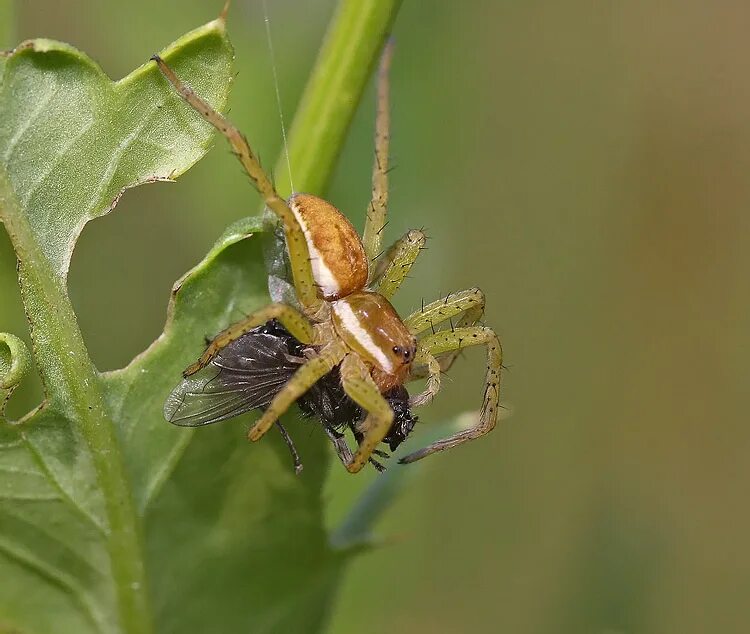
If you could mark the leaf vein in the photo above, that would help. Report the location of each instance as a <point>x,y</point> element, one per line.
<point>63,493</point>
<point>55,576</point>
<point>32,118</point>
<point>53,164</point>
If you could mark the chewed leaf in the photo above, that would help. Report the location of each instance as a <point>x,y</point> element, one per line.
<point>227,283</point>
<point>72,140</point>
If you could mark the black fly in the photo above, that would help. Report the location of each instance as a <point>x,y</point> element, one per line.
<point>246,375</point>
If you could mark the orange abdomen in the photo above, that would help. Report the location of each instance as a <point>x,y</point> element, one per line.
<point>338,259</point>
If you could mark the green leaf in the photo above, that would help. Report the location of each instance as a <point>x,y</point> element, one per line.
<point>112,520</point>
<point>71,141</point>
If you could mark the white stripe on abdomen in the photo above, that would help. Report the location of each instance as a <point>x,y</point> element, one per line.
<point>323,276</point>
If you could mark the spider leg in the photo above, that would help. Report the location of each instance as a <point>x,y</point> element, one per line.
<point>393,267</point>
<point>451,340</point>
<point>378,207</point>
<point>294,321</point>
<point>424,359</point>
<point>359,386</point>
<point>304,378</point>
<point>469,304</point>
<point>292,449</point>
<point>299,257</point>
<point>470,301</point>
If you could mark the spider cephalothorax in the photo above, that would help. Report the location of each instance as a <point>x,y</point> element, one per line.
<point>344,316</point>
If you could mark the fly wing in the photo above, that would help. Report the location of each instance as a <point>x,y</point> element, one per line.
<point>245,375</point>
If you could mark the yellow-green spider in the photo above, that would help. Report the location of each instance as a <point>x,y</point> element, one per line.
<point>343,285</point>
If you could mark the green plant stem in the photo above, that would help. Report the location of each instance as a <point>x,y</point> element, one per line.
<point>345,62</point>
<point>57,340</point>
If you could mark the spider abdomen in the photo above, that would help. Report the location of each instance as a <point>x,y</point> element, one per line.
<point>338,259</point>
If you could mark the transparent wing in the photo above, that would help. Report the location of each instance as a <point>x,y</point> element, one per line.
<point>245,375</point>
<point>276,258</point>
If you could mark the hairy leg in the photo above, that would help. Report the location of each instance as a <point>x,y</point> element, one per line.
<point>339,444</point>
<point>393,267</point>
<point>303,379</point>
<point>299,257</point>
<point>294,321</point>
<point>469,304</point>
<point>432,370</point>
<point>378,207</point>
<point>360,387</point>
<point>450,340</point>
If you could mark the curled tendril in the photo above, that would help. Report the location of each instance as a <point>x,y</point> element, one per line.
<point>14,364</point>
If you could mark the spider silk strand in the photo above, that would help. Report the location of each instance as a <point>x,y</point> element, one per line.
<point>272,55</point>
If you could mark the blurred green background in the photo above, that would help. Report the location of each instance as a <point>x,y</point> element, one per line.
<point>586,165</point>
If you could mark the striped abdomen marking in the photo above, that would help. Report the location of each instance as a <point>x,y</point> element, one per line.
<point>339,263</point>
<point>370,326</point>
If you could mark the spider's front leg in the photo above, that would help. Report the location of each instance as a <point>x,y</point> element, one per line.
<point>458,339</point>
<point>299,256</point>
<point>467,305</point>
<point>393,266</point>
<point>294,321</point>
<point>425,366</point>
<point>359,386</point>
<point>304,378</point>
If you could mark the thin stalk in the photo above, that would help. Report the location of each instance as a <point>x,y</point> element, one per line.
<point>349,53</point>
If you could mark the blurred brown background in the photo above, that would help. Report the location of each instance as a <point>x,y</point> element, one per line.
<point>587,165</point>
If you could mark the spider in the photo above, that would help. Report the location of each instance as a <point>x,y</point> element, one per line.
<point>343,285</point>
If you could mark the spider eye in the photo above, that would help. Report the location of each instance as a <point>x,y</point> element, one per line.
<point>405,353</point>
